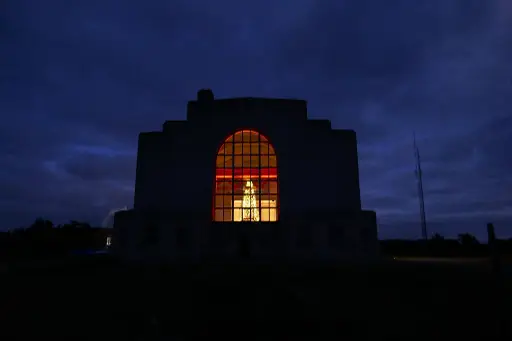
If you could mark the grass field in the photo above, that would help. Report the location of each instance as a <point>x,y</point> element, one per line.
<point>98,299</point>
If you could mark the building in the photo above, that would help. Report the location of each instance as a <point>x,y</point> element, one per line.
<point>246,178</point>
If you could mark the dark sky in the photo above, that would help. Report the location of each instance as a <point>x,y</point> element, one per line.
<point>80,79</point>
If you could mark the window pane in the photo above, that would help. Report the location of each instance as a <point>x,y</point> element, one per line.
<point>228,162</point>
<point>271,150</point>
<point>273,186</point>
<point>237,137</point>
<point>223,201</point>
<point>218,215</point>
<point>238,161</point>
<point>246,136</point>
<point>273,214</point>
<point>255,161</point>
<point>219,201</point>
<point>265,214</point>
<point>239,188</point>
<point>255,137</point>
<point>246,148</point>
<point>273,161</point>
<point>247,161</point>
<point>264,148</point>
<point>264,161</point>
<point>238,148</point>
<point>227,187</point>
<point>220,161</point>
<point>223,187</point>
<point>227,215</point>
<point>228,148</point>
<point>265,200</point>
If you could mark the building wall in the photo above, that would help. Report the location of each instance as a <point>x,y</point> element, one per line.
<point>350,237</point>
<point>317,166</point>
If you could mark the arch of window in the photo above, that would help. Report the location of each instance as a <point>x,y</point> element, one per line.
<point>246,184</point>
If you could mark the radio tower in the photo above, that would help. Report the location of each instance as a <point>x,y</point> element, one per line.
<point>420,190</point>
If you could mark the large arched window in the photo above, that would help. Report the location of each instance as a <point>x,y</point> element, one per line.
<point>246,187</point>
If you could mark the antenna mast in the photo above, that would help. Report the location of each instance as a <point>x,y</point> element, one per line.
<point>419,181</point>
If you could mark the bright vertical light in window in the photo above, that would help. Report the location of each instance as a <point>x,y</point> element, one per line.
<point>250,204</point>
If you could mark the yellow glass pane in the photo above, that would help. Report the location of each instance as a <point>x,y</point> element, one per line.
<point>228,162</point>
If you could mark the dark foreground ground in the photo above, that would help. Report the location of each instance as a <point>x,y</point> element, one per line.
<point>97,299</point>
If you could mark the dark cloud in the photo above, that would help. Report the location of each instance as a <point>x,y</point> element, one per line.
<point>79,80</point>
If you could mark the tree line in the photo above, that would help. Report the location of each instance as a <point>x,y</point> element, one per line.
<point>43,239</point>
<point>465,245</point>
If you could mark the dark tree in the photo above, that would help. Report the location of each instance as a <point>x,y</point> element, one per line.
<point>437,237</point>
<point>467,239</point>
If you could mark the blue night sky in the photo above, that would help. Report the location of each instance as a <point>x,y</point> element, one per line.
<point>80,79</point>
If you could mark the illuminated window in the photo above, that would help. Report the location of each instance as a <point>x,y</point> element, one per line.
<point>246,187</point>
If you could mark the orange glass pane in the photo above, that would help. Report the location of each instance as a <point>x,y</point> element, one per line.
<point>246,161</point>
<point>271,150</point>
<point>227,215</point>
<point>255,149</point>
<point>238,161</point>
<point>264,161</point>
<point>255,161</point>
<point>272,161</point>
<point>273,186</point>
<point>219,202</point>
<point>238,148</point>
<point>227,148</point>
<point>264,148</point>
<point>255,137</point>
<point>220,161</point>
<point>246,135</point>
<point>246,148</point>
<point>218,215</point>
<point>237,137</point>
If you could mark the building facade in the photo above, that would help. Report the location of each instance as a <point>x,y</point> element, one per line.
<point>246,178</point>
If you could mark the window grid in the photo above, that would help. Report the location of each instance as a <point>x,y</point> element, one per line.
<point>246,184</point>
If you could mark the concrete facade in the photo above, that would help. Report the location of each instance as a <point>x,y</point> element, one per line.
<point>320,215</point>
